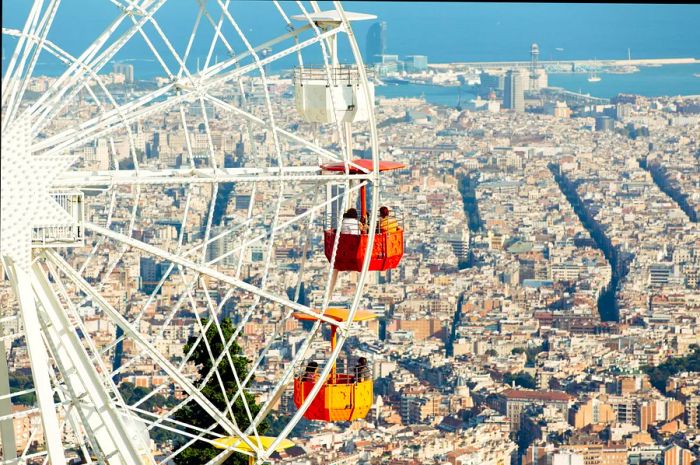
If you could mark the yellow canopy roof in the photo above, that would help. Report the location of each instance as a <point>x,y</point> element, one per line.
<point>340,314</point>
<point>240,446</point>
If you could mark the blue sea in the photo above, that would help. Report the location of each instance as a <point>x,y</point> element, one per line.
<point>651,82</point>
<point>445,32</point>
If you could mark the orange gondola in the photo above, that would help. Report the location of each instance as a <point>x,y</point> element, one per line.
<point>343,396</point>
<point>388,246</point>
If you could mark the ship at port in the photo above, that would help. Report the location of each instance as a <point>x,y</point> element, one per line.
<point>593,77</point>
<point>395,81</point>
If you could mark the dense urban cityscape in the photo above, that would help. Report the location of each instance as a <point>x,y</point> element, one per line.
<point>545,310</point>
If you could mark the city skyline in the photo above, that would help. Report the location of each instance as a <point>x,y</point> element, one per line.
<point>251,249</point>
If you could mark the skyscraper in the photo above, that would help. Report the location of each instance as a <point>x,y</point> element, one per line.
<point>376,42</point>
<point>416,63</point>
<point>513,91</point>
<point>126,70</point>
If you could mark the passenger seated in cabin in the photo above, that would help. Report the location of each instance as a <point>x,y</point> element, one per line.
<point>350,223</point>
<point>310,372</point>
<point>387,224</point>
<point>361,370</point>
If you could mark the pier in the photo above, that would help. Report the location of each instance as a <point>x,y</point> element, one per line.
<point>586,63</point>
<point>573,98</point>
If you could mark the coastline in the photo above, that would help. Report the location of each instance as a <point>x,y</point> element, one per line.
<point>679,80</point>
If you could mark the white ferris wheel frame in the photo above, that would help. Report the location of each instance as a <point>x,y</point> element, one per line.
<point>48,311</point>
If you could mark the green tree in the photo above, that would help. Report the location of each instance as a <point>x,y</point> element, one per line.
<point>21,382</point>
<point>200,452</point>
<point>132,394</point>
<point>532,352</point>
<point>659,374</point>
<point>521,379</point>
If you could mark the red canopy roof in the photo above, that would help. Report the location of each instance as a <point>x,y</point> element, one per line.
<point>364,163</point>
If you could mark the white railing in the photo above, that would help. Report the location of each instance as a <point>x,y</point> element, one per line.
<point>67,234</point>
<point>340,74</point>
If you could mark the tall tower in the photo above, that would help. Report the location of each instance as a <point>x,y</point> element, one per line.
<point>376,42</point>
<point>513,92</point>
<point>534,75</point>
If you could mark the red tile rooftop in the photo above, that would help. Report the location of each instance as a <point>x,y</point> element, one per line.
<point>537,395</point>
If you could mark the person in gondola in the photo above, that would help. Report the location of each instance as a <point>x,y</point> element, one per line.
<point>350,224</point>
<point>387,223</point>
<point>361,370</point>
<point>310,371</point>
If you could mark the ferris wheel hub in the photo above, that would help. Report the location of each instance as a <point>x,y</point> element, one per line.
<point>30,212</point>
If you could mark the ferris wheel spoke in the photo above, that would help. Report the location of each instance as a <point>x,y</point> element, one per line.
<point>207,271</point>
<point>20,85</point>
<point>67,59</point>
<point>186,55</point>
<point>171,266</point>
<point>12,74</point>
<point>180,428</point>
<point>176,308</point>
<point>178,250</point>
<point>185,130</point>
<point>289,223</point>
<point>144,106</point>
<point>309,145</point>
<point>207,131</point>
<point>111,266</point>
<point>239,386</point>
<point>263,76</point>
<point>155,52</point>
<point>207,346</point>
<point>185,176</point>
<point>285,377</point>
<point>146,346</point>
<point>54,98</point>
<point>171,49</point>
<point>217,31</point>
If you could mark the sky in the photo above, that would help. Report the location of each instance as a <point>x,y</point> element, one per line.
<point>445,32</point>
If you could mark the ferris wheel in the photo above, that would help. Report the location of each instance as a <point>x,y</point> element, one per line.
<point>207,203</point>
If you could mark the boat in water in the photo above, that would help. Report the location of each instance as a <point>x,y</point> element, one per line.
<point>593,77</point>
<point>396,81</point>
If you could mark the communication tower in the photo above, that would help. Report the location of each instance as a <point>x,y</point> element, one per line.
<point>534,65</point>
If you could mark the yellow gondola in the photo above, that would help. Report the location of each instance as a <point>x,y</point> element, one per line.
<point>240,446</point>
<point>343,396</point>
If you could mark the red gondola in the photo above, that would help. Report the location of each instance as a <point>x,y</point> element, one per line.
<point>387,250</point>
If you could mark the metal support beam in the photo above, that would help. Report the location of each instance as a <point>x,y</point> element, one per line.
<point>144,344</point>
<point>82,179</point>
<point>7,429</point>
<point>207,271</point>
<point>21,282</point>
<point>113,437</point>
